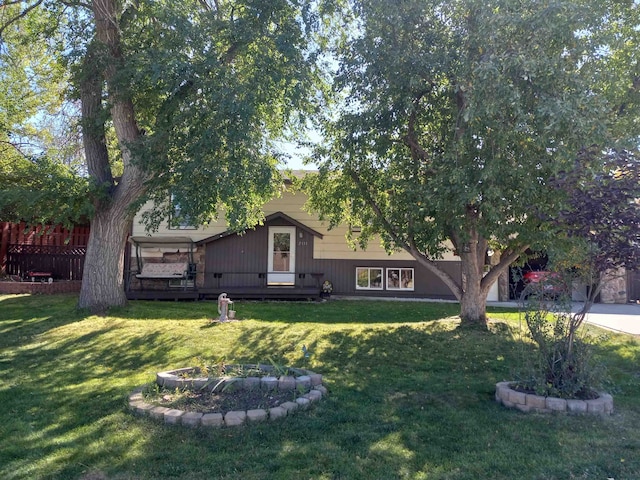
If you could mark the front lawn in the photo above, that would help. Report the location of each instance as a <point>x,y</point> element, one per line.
<point>411,396</point>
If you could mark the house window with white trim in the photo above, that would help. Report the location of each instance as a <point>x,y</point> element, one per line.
<point>400,279</point>
<point>369,278</point>
<point>178,220</point>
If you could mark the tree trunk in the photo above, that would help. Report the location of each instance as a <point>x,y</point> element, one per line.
<point>473,309</point>
<point>103,277</point>
<point>473,303</point>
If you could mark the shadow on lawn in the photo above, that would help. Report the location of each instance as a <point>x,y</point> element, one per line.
<point>333,312</point>
<point>24,316</point>
<point>405,401</point>
<point>65,398</point>
<point>419,400</point>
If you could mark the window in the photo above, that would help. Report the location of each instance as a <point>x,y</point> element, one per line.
<point>399,278</point>
<point>178,221</point>
<point>368,278</point>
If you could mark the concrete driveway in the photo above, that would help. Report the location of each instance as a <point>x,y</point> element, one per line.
<point>623,318</point>
<point>620,318</point>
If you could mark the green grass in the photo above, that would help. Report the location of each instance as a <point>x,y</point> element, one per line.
<point>411,396</point>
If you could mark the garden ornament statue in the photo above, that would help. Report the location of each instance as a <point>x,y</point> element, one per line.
<point>223,307</point>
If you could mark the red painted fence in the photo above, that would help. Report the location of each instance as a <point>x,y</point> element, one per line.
<point>49,248</point>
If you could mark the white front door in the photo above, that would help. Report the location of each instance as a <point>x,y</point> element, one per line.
<point>282,256</point>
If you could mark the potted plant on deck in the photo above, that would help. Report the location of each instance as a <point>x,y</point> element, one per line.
<point>327,289</point>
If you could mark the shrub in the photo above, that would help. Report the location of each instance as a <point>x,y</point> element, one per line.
<point>563,364</point>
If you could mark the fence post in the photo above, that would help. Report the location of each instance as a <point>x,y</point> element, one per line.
<point>4,245</point>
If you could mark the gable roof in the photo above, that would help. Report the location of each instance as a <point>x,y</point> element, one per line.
<point>268,218</point>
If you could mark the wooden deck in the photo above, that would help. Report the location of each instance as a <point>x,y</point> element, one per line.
<point>235,293</point>
<point>264,293</point>
<point>245,285</point>
<point>170,294</point>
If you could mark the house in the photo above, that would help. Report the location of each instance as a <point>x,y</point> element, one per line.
<point>290,256</point>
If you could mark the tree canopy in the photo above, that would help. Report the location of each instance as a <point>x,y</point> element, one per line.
<point>175,101</point>
<point>598,227</point>
<point>454,115</point>
<point>38,137</point>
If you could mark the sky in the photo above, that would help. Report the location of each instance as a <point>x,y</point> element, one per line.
<point>296,154</point>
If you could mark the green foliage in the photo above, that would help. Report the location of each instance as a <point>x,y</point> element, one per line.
<point>564,364</point>
<point>35,117</point>
<point>214,91</point>
<point>453,117</point>
<point>213,85</point>
<point>43,191</point>
<point>452,111</point>
<point>278,369</point>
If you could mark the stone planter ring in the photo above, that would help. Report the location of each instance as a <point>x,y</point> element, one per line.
<point>530,402</point>
<point>308,383</point>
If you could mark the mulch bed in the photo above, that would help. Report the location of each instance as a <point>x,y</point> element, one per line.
<point>219,402</point>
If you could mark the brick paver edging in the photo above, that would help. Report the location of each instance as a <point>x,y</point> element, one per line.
<point>528,402</point>
<point>309,382</point>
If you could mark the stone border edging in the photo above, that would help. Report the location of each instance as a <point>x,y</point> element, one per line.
<point>311,382</point>
<point>529,402</point>
<point>37,288</point>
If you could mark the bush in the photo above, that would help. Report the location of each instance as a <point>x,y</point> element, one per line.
<point>563,364</point>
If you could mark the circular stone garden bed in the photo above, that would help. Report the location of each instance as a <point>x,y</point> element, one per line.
<point>265,392</point>
<point>530,402</point>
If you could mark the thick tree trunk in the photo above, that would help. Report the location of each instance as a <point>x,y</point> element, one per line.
<point>472,289</point>
<point>473,309</point>
<point>473,303</point>
<point>103,277</point>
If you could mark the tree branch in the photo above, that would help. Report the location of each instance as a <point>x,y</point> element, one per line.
<point>505,260</point>
<point>407,245</point>
<point>410,139</point>
<point>93,132</point>
<point>22,14</point>
<point>376,208</point>
<point>16,147</point>
<point>433,267</point>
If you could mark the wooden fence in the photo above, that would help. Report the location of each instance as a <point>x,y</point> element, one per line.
<point>45,248</point>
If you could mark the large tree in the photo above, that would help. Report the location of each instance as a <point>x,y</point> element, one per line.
<point>37,157</point>
<point>455,114</point>
<point>178,100</point>
<point>598,227</point>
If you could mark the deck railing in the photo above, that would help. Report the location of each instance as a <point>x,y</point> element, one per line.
<point>222,280</point>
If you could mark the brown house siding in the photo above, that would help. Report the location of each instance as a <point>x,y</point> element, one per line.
<point>241,261</point>
<point>342,273</point>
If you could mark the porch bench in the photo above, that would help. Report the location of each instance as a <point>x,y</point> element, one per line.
<point>163,271</point>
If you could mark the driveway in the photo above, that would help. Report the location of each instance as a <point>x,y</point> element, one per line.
<point>623,318</point>
<point>620,318</point>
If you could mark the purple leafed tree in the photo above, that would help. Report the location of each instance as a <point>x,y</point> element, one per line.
<point>597,228</point>
<point>601,218</point>
<point>602,210</point>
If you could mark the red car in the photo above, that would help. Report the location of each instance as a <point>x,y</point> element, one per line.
<point>545,282</point>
